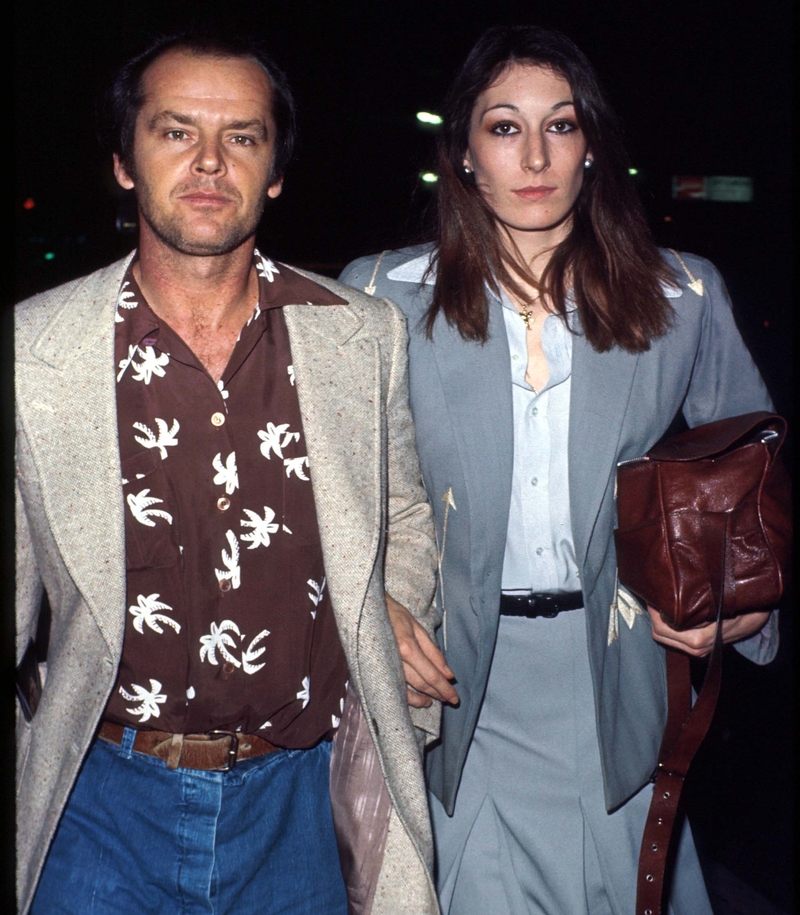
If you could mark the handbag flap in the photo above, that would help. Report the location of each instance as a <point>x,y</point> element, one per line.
<point>715,438</point>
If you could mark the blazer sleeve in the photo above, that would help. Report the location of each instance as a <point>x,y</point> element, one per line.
<point>725,382</point>
<point>410,545</point>
<point>410,563</point>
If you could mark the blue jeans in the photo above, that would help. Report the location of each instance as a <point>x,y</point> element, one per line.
<point>138,838</point>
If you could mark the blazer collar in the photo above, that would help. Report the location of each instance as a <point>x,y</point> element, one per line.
<point>84,318</point>
<point>414,270</point>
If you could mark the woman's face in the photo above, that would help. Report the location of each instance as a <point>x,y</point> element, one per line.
<point>528,152</point>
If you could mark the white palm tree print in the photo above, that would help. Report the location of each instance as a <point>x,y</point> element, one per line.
<point>290,370</point>
<point>221,387</point>
<point>276,438</point>
<point>305,692</point>
<point>140,508</point>
<point>254,315</point>
<point>295,465</point>
<point>146,611</point>
<point>165,438</point>
<point>227,474</point>
<point>124,363</point>
<point>152,364</point>
<point>262,528</point>
<point>251,654</point>
<point>265,267</point>
<point>336,720</point>
<point>231,572</point>
<point>220,640</point>
<point>149,700</point>
<point>318,591</point>
<point>126,300</point>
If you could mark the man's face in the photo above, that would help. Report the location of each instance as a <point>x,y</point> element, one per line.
<point>203,147</point>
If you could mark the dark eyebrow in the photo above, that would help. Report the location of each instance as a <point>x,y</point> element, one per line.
<point>515,108</point>
<point>167,116</point>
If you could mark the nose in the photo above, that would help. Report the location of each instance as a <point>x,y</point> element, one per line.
<point>535,155</point>
<point>210,159</point>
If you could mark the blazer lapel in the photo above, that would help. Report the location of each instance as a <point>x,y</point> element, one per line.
<point>68,391</point>
<point>601,388</point>
<point>337,373</point>
<point>475,382</point>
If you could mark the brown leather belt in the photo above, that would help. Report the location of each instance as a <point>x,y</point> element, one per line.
<point>216,751</point>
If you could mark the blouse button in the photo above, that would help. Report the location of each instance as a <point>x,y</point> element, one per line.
<point>225,585</point>
<point>223,503</point>
<point>217,419</point>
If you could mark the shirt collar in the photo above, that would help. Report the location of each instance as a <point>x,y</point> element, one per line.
<point>278,285</point>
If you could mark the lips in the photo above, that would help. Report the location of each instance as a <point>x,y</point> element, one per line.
<point>534,193</point>
<point>205,198</point>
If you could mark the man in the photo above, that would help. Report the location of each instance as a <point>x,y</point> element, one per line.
<point>217,484</point>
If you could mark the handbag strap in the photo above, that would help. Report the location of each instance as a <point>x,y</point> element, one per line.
<point>685,730</point>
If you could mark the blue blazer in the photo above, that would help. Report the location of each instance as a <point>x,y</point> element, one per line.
<point>621,405</point>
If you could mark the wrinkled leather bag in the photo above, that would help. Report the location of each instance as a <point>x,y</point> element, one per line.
<point>704,534</point>
<point>709,497</point>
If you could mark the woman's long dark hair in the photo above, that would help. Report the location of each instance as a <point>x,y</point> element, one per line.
<point>609,259</point>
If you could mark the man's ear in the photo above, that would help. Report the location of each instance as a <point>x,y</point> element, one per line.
<point>274,189</point>
<point>121,174</point>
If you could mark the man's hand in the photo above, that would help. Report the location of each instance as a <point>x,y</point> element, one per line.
<point>425,669</point>
<point>698,642</point>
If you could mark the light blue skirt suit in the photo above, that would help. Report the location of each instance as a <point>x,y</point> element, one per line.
<point>540,783</point>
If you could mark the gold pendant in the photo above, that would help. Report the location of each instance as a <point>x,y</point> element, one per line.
<point>527,316</point>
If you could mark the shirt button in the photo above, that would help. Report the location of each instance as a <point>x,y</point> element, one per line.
<point>535,411</point>
<point>217,419</point>
<point>223,503</point>
<point>539,551</point>
<point>515,357</point>
<point>535,481</point>
<point>225,585</point>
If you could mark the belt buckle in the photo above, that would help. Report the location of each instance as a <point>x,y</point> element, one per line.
<point>551,603</point>
<point>233,749</point>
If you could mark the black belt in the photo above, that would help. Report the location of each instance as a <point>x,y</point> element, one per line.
<point>540,604</point>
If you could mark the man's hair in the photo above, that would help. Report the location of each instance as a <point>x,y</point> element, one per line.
<point>125,96</point>
<point>609,257</point>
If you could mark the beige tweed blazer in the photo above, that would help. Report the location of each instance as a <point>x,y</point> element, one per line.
<point>375,525</point>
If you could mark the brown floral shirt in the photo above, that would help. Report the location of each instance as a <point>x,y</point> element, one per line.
<point>228,621</point>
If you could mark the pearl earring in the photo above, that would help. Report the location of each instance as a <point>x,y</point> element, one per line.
<point>587,163</point>
<point>467,170</point>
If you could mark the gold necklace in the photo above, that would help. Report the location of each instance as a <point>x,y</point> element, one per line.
<point>527,316</point>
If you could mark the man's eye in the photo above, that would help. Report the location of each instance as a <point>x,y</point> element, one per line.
<point>242,141</point>
<point>176,134</point>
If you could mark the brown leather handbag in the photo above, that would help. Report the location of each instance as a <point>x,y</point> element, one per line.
<point>704,534</point>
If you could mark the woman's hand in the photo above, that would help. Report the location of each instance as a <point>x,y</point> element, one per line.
<point>425,669</point>
<point>698,642</point>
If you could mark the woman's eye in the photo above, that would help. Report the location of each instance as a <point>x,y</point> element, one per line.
<point>505,129</point>
<point>563,126</point>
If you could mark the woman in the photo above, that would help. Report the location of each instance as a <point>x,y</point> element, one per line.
<point>549,340</point>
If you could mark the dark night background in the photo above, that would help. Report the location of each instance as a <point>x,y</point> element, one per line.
<point>702,88</point>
